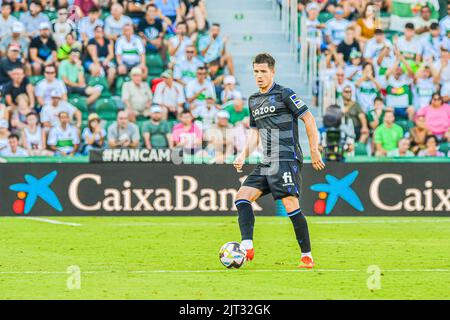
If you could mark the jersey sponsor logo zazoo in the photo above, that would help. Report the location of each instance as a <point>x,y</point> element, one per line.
<point>263,110</point>
<point>297,101</point>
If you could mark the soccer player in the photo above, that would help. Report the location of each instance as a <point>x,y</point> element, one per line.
<point>274,114</point>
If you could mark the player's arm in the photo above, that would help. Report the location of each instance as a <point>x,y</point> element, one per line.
<point>313,138</point>
<point>300,110</point>
<point>250,146</point>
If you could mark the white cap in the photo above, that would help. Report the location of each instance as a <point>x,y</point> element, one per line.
<point>3,123</point>
<point>17,27</point>
<point>44,25</point>
<point>237,95</point>
<point>55,93</point>
<point>312,6</point>
<point>155,108</point>
<point>223,114</point>
<point>229,80</point>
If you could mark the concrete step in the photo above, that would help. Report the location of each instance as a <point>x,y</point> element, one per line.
<point>242,15</point>
<point>216,6</point>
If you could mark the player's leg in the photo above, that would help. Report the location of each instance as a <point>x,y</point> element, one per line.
<point>292,206</point>
<point>253,187</point>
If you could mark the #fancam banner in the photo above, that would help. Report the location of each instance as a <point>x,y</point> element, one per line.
<point>155,189</point>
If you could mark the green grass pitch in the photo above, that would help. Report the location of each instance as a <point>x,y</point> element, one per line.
<point>177,258</point>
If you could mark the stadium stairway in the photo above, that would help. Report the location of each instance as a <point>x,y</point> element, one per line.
<point>253,27</point>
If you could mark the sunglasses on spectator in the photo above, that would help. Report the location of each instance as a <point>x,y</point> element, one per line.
<point>347,91</point>
<point>63,13</point>
<point>190,52</point>
<point>50,72</point>
<point>339,74</point>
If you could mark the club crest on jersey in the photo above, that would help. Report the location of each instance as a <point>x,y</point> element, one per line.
<point>297,101</point>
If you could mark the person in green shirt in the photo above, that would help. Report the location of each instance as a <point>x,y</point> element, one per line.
<point>64,50</point>
<point>72,74</point>
<point>237,110</point>
<point>375,116</point>
<point>156,131</point>
<point>388,134</point>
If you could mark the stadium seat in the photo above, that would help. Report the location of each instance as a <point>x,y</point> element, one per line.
<point>79,102</point>
<point>154,64</point>
<point>360,149</point>
<point>405,124</point>
<point>119,83</point>
<point>52,15</point>
<point>325,16</point>
<point>106,108</point>
<point>100,81</point>
<point>35,79</point>
<point>444,147</point>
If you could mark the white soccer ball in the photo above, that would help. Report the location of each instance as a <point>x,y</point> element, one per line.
<point>232,255</point>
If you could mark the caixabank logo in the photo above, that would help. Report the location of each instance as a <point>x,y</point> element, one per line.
<point>330,192</point>
<point>31,190</point>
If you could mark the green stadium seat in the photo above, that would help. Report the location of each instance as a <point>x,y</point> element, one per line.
<point>106,108</point>
<point>360,149</point>
<point>405,124</point>
<point>325,16</point>
<point>444,147</point>
<point>100,81</point>
<point>154,64</point>
<point>35,79</point>
<point>391,33</point>
<point>16,14</point>
<point>119,83</point>
<point>52,15</point>
<point>79,102</point>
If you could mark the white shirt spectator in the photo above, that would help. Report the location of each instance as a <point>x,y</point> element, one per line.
<point>87,27</point>
<point>64,140</point>
<point>7,152</point>
<point>179,55</point>
<point>411,48</point>
<point>6,26</point>
<point>130,50</point>
<point>44,89</point>
<point>50,113</point>
<point>214,51</point>
<point>194,86</point>
<point>186,70</point>
<point>431,47</point>
<point>114,27</point>
<point>336,29</point>
<point>32,23</point>
<point>444,25</point>
<point>61,30</point>
<point>172,97</point>
<point>207,115</point>
<point>372,49</point>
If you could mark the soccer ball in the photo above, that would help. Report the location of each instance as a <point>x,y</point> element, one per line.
<point>232,255</point>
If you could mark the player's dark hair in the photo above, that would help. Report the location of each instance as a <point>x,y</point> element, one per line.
<point>379,31</point>
<point>378,99</point>
<point>434,26</point>
<point>151,5</point>
<point>215,24</point>
<point>264,58</point>
<point>409,25</point>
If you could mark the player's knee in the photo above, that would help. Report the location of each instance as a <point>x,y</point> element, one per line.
<point>290,204</point>
<point>244,194</point>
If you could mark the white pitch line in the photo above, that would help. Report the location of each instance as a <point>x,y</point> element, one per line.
<point>225,270</point>
<point>72,224</point>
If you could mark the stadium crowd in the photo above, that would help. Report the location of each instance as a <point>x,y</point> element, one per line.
<point>390,72</point>
<point>77,75</point>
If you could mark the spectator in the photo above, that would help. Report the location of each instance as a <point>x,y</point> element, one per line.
<point>367,88</point>
<point>313,26</point>
<point>335,27</point>
<point>431,143</point>
<point>375,116</point>
<point>123,134</point>
<point>431,45</point>
<point>213,47</point>
<point>63,139</point>
<point>169,9</point>
<point>16,38</point>
<point>116,22</point>
<point>9,63</point>
<point>194,12</point>
<point>33,19</point>
<point>347,46</point>
<point>418,134</point>
<point>410,47</point>
<point>93,136</point>
<point>375,46</point>
<point>341,82</point>
<point>367,24</point>
<point>34,137</point>
<point>19,90</point>
<point>136,95</point>
<point>352,110</point>
<point>4,134</point>
<point>353,70</point>
<point>45,87</point>
<point>443,66</point>
<point>4,112</point>
<point>177,44</point>
<point>50,113</point>
<point>69,44</point>
<point>62,27</point>
<point>402,150</point>
<point>6,20</point>
<point>13,149</point>
<point>216,75</point>
<point>72,74</point>
<point>42,49</point>
<point>423,24</point>
<point>445,22</point>
<point>130,52</point>
<point>205,115</point>
<point>220,138</point>
<point>236,109</point>
<point>82,7</point>
<point>156,131</point>
<point>152,30</point>
<point>186,135</point>
<point>199,89</point>
<point>185,70</point>
<point>426,82</point>
<point>169,95</point>
<point>387,135</point>
<point>229,91</point>
<point>87,25</point>
<point>100,56</point>
<point>437,116</point>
